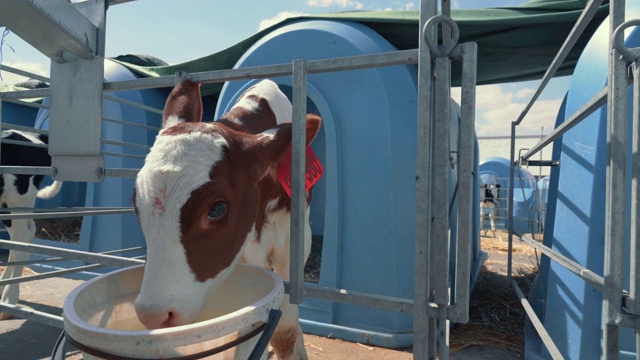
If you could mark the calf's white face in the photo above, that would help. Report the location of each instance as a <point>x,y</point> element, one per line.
<point>197,199</point>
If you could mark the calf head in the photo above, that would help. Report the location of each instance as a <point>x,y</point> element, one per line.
<point>197,199</point>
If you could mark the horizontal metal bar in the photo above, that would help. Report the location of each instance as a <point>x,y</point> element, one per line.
<point>537,324</point>
<point>356,298</point>
<point>26,170</point>
<point>119,155</point>
<point>54,273</point>
<point>28,313</point>
<point>30,75</point>
<point>132,103</point>
<point>54,215</point>
<point>126,144</point>
<point>26,94</point>
<point>59,259</point>
<point>8,126</point>
<point>108,260</point>
<point>590,277</point>
<point>540,163</point>
<point>587,109</point>
<point>132,124</point>
<point>24,143</point>
<point>122,173</point>
<point>403,57</point>
<point>27,103</point>
<point>60,209</point>
<point>315,66</point>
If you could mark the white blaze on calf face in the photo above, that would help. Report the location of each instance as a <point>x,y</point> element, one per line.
<point>163,186</point>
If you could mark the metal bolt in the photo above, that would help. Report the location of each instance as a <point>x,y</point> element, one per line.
<point>99,172</point>
<point>54,171</point>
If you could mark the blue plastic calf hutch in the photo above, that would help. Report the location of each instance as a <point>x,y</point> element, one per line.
<point>364,206</point>
<point>110,232</point>
<point>570,309</point>
<point>495,170</point>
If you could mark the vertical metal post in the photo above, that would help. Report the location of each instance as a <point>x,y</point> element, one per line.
<point>465,183</point>
<point>617,126</point>
<point>512,164</point>
<point>440,181</point>
<point>423,199</point>
<point>635,203</point>
<point>298,198</point>
<point>76,109</point>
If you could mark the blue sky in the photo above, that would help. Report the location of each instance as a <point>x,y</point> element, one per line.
<point>181,30</point>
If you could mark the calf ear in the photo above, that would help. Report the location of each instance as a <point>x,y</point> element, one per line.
<point>275,143</point>
<point>184,104</point>
<point>313,127</point>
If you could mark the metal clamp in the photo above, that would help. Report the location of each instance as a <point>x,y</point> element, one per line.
<point>618,41</point>
<point>444,50</point>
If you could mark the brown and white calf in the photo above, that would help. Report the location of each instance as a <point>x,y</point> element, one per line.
<point>20,191</point>
<point>207,198</point>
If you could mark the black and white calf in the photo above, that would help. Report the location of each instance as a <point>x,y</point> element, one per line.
<point>489,196</point>
<point>20,191</point>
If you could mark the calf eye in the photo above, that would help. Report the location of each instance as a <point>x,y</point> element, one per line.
<point>217,211</point>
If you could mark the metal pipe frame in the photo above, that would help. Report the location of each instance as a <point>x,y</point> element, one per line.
<point>611,284</point>
<point>428,315</point>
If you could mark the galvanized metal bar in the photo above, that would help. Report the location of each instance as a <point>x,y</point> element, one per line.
<point>24,143</point>
<point>422,281</point>
<point>357,298</point>
<point>28,104</point>
<point>126,144</point>
<point>577,30</point>
<point>107,260</point>
<point>440,181</point>
<point>122,155</point>
<point>56,209</point>
<point>53,215</point>
<point>26,170</point>
<point>28,313</point>
<point>132,124</point>
<point>537,324</point>
<point>466,185</point>
<point>53,27</point>
<point>123,173</point>
<point>617,127</point>
<point>298,197</point>
<point>587,109</point>
<point>512,152</point>
<point>23,128</point>
<point>132,104</point>
<point>20,72</point>
<point>584,273</point>
<point>634,236</point>
<point>26,94</point>
<point>58,259</point>
<point>55,273</point>
<point>443,333</point>
<point>403,57</point>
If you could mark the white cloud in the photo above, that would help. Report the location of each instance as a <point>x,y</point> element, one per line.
<point>497,108</point>
<point>279,17</point>
<point>342,3</point>
<point>32,67</point>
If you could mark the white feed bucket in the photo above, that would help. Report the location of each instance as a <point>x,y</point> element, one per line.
<point>100,315</point>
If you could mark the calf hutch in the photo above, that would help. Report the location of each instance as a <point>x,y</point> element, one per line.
<point>395,218</point>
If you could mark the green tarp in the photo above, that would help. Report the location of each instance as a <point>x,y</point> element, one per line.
<point>514,43</point>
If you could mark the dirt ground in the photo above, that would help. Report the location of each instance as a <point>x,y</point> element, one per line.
<point>494,331</point>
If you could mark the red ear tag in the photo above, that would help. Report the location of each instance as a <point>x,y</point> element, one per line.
<point>313,173</point>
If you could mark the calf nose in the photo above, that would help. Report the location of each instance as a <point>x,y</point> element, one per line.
<point>153,317</point>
